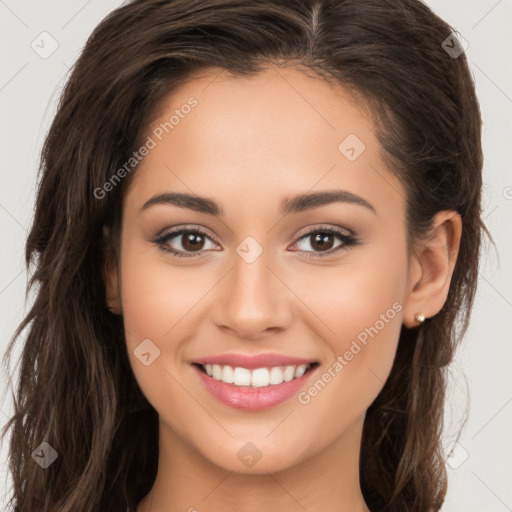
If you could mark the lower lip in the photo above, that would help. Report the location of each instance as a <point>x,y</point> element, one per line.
<point>253,399</point>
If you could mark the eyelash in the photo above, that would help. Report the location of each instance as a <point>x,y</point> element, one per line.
<point>349,241</point>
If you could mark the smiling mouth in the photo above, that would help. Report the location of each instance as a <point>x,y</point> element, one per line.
<point>256,378</point>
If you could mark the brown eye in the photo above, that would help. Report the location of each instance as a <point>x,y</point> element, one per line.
<point>185,242</point>
<point>322,241</point>
<point>192,241</point>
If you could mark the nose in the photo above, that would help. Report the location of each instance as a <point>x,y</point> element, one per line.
<point>252,302</point>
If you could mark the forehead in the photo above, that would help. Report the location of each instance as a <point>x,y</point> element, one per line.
<point>276,133</point>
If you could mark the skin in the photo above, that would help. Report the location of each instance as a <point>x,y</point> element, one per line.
<point>248,145</point>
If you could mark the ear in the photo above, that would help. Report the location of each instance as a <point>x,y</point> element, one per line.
<point>431,268</point>
<point>110,274</point>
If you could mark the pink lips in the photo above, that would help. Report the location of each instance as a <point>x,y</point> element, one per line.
<point>251,398</point>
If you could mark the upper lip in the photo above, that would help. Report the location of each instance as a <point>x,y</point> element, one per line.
<point>265,360</point>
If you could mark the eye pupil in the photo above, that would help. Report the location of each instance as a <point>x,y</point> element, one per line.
<point>321,240</point>
<point>193,241</point>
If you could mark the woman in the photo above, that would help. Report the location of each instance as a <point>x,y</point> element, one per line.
<point>256,244</point>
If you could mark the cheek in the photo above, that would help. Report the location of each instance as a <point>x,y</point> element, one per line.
<point>364,330</point>
<point>363,349</point>
<point>155,295</point>
<point>366,298</point>
<point>153,303</point>
<point>161,303</point>
<point>361,305</point>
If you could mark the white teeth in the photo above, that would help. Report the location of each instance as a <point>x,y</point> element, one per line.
<point>259,377</point>
<point>217,372</point>
<point>276,376</point>
<point>289,373</point>
<point>241,377</point>
<point>301,370</point>
<point>227,375</point>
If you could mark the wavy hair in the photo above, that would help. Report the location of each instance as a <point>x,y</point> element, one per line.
<point>76,390</point>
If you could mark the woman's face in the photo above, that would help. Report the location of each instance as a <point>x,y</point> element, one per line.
<point>264,276</point>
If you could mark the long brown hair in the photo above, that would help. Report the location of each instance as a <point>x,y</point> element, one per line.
<point>76,390</point>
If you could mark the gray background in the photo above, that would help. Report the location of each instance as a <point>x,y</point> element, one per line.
<point>481,468</point>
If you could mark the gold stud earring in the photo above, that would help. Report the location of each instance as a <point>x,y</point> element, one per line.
<point>419,317</point>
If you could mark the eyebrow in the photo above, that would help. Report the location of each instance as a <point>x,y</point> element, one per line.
<point>296,204</point>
